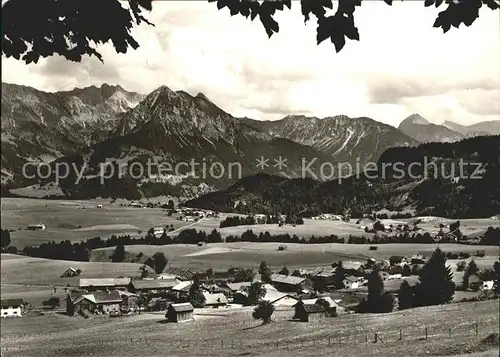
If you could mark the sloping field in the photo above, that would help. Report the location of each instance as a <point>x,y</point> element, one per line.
<point>39,271</point>
<point>221,256</point>
<point>237,334</point>
<point>77,220</point>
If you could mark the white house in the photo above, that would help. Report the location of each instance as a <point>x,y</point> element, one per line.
<point>158,231</point>
<point>488,285</point>
<point>12,308</point>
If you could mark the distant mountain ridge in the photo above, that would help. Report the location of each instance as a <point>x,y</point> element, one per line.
<point>39,125</point>
<point>427,193</point>
<point>420,129</point>
<point>482,128</point>
<point>342,138</point>
<point>107,125</point>
<point>172,129</point>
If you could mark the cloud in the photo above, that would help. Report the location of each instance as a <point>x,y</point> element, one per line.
<point>401,64</point>
<point>392,89</point>
<point>481,101</point>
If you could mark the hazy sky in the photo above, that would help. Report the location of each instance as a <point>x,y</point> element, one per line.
<point>402,65</point>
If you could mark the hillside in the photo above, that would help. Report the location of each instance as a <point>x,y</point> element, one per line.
<point>342,138</point>
<point>429,191</point>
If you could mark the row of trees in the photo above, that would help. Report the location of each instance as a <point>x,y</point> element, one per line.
<point>66,250</point>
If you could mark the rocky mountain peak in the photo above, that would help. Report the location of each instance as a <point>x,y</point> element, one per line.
<point>415,119</point>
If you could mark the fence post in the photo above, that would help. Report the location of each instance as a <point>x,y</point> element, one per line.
<point>449,331</point>
<point>366,340</point>
<point>232,344</point>
<point>376,338</point>
<point>400,334</point>
<point>477,332</point>
<point>277,344</point>
<point>329,341</point>
<point>426,333</point>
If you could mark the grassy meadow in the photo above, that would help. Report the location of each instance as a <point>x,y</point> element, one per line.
<point>233,332</point>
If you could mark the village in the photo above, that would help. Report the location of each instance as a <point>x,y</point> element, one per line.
<point>307,294</point>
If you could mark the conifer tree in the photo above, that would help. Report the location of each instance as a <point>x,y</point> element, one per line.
<point>340,275</point>
<point>265,273</point>
<point>405,296</point>
<point>436,281</point>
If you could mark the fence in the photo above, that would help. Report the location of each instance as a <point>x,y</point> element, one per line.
<point>330,341</point>
<point>333,331</point>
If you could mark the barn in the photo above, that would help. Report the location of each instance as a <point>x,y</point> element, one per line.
<point>308,312</point>
<point>179,312</point>
<point>70,272</point>
<point>153,286</point>
<point>104,283</point>
<point>97,302</point>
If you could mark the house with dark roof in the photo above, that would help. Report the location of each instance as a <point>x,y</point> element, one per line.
<point>235,287</point>
<point>153,286</point>
<point>12,307</point>
<point>97,302</point>
<point>417,259</point>
<point>396,260</point>
<point>325,275</point>
<point>180,312</point>
<point>306,312</point>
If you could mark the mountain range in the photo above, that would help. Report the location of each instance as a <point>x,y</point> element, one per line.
<point>93,126</point>
<point>443,190</point>
<point>42,126</point>
<point>420,129</point>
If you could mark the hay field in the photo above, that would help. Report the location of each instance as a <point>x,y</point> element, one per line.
<point>235,333</point>
<point>222,256</point>
<point>77,220</point>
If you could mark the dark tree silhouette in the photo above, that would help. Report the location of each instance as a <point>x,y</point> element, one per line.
<point>436,281</point>
<point>265,273</point>
<point>68,28</point>
<point>256,293</point>
<point>5,238</point>
<point>377,301</point>
<point>472,269</point>
<point>340,275</point>
<point>119,254</point>
<point>210,273</point>
<point>196,296</point>
<point>284,271</point>
<point>263,312</point>
<point>405,296</point>
<point>406,270</point>
<point>496,269</point>
<point>160,262</point>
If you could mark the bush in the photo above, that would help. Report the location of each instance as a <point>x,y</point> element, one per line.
<point>461,265</point>
<point>263,312</point>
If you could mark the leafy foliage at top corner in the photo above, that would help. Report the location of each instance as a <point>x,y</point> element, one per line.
<point>68,28</point>
<point>72,28</point>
